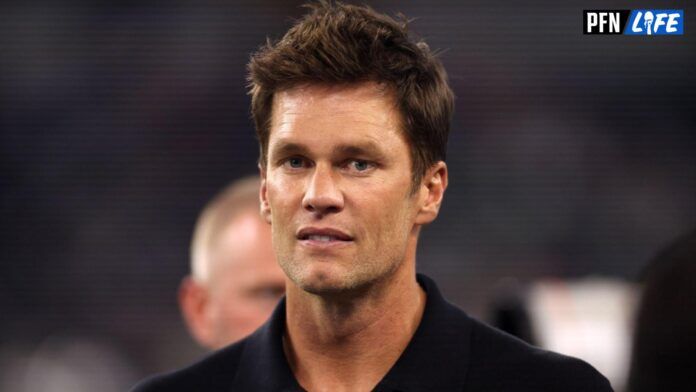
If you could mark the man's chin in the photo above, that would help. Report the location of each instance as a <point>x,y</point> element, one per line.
<point>321,284</point>
<point>328,284</point>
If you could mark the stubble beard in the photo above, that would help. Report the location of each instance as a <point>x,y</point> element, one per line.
<point>357,276</point>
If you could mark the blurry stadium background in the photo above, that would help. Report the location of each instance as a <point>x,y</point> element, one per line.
<point>570,156</point>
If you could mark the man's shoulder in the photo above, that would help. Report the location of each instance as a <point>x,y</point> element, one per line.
<point>502,362</point>
<point>216,369</point>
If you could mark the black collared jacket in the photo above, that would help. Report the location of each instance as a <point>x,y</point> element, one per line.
<point>450,351</point>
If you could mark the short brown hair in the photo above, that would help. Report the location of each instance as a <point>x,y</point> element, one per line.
<point>339,43</point>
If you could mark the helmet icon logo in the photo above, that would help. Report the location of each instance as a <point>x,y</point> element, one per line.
<point>648,21</point>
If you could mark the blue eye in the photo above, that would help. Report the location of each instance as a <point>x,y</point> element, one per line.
<point>360,165</point>
<point>295,163</point>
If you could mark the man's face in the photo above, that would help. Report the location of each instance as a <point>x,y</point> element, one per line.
<point>336,186</point>
<point>246,282</point>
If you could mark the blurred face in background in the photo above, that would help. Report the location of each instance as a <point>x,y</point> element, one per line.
<point>242,289</point>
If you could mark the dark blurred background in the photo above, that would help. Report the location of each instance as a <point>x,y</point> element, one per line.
<point>570,155</point>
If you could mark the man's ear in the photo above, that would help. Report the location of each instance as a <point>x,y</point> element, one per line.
<point>265,208</point>
<point>432,190</point>
<point>193,303</point>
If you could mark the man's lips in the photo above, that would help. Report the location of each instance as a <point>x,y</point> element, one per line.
<point>322,235</point>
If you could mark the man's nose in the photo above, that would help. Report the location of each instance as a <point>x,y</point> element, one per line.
<point>323,195</point>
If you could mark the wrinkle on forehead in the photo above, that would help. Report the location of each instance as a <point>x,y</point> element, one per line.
<point>338,98</point>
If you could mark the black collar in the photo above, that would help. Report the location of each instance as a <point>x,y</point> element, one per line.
<point>436,358</point>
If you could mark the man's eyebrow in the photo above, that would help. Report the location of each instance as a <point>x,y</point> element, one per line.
<point>366,148</point>
<point>369,148</point>
<point>288,148</point>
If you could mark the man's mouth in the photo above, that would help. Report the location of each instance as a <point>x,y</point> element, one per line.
<point>322,236</point>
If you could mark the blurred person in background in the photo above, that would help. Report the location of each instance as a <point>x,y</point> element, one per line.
<point>235,281</point>
<point>664,347</point>
<point>65,361</point>
<point>590,318</point>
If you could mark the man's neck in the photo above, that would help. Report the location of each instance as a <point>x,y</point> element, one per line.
<point>350,344</point>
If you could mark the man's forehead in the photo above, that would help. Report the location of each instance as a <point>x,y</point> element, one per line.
<point>362,112</point>
<point>377,103</point>
<point>311,91</point>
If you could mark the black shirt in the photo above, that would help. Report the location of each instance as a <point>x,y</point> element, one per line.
<point>449,351</point>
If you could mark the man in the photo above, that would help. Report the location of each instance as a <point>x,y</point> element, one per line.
<point>235,281</point>
<point>352,118</point>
